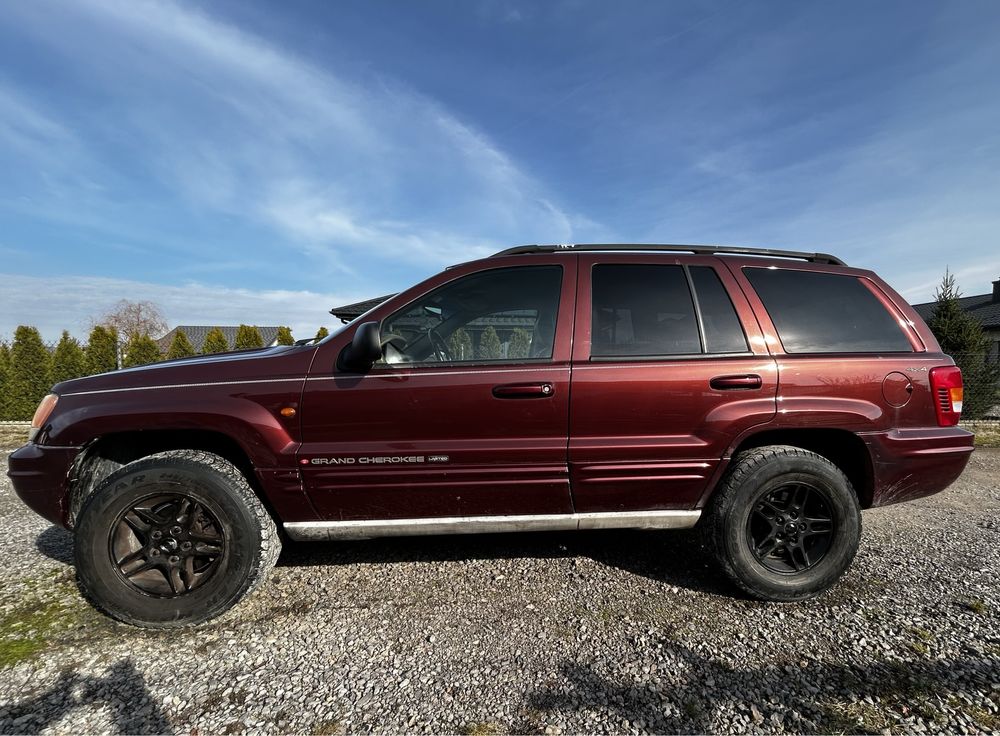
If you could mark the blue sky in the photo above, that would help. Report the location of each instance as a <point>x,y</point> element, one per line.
<point>262,162</point>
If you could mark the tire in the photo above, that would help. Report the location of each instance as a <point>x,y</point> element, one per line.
<point>765,523</point>
<point>145,558</point>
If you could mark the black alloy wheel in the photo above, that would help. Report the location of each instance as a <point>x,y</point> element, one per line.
<point>167,545</point>
<point>790,528</point>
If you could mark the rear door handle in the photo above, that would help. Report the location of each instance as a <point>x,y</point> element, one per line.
<point>524,391</point>
<point>748,381</point>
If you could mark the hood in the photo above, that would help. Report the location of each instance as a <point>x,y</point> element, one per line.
<point>282,361</point>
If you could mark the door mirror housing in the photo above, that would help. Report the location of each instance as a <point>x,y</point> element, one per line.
<point>363,350</point>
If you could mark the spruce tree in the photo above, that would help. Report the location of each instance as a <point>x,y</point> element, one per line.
<point>68,361</point>
<point>489,345</point>
<point>520,343</point>
<point>285,336</point>
<point>28,380</point>
<point>141,350</point>
<point>248,338</point>
<point>4,376</point>
<point>215,342</point>
<point>102,350</point>
<point>321,333</point>
<point>180,346</point>
<point>460,345</point>
<point>961,336</point>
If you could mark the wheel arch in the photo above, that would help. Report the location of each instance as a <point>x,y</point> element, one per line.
<point>106,454</point>
<point>842,447</point>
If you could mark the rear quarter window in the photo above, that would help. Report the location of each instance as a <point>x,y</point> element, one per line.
<point>817,312</point>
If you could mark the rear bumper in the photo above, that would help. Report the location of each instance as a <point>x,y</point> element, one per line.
<point>912,463</point>
<point>40,476</point>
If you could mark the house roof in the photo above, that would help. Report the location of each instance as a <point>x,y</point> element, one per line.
<point>196,334</point>
<point>980,306</point>
<point>349,311</point>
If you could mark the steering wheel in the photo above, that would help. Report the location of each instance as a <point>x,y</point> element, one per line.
<point>439,345</point>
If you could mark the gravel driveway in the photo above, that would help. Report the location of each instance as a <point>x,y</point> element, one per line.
<point>623,632</point>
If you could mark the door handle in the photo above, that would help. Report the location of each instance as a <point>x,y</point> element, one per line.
<point>749,381</point>
<point>524,391</point>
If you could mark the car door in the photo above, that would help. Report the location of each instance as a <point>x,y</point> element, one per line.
<point>467,413</point>
<point>669,366</point>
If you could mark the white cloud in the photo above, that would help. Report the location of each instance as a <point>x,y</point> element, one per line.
<point>53,304</point>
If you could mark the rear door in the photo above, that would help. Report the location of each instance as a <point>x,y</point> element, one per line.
<point>669,365</point>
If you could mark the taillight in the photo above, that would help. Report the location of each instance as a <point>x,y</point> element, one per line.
<point>946,384</point>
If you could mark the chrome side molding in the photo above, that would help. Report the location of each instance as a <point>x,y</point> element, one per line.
<point>372,528</point>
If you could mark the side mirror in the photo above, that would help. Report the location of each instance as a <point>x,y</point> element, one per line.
<point>364,350</point>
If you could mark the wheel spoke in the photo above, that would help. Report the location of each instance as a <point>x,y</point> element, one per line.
<point>139,554</point>
<point>798,496</point>
<point>799,557</point>
<point>141,568</point>
<point>136,524</point>
<point>175,580</point>
<point>182,510</point>
<point>207,548</point>
<point>766,547</point>
<point>148,516</point>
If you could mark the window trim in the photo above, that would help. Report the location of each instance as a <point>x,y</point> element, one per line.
<point>389,368</point>
<point>696,306</point>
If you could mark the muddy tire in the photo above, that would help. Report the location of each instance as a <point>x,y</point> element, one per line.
<point>172,540</point>
<point>784,524</point>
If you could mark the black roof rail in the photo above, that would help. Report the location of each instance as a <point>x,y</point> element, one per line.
<point>703,250</point>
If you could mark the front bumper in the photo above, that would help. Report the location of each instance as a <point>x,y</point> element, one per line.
<point>40,476</point>
<point>912,463</point>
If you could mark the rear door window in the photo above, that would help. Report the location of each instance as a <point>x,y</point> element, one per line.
<point>642,310</point>
<point>723,331</point>
<point>816,312</point>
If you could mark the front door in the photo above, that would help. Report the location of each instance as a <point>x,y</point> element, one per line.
<point>466,414</point>
<point>669,367</point>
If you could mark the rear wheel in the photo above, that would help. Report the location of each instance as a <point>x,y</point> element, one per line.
<point>784,524</point>
<point>173,539</point>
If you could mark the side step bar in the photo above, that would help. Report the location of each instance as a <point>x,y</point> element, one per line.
<point>372,528</point>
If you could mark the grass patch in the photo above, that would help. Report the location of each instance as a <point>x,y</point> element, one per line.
<point>976,605</point>
<point>486,728</point>
<point>12,437</point>
<point>984,719</point>
<point>922,634</point>
<point>42,613</point>
<point>987,435</point>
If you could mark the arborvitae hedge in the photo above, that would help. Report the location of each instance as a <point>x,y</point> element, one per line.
<point>248,338</point>
<point>321,333</point>
<point>28,377</point>
<point>215,342</point>
<point>285,336</point>
<point>141,350</point>
<point>180,346</point>
<point>69,361</point>
<point>460,345</point>
<point>102,350</point>
<point>489,345</point>
<point>4,372</point>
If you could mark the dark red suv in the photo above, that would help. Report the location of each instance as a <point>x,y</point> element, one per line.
<point>766,396</point>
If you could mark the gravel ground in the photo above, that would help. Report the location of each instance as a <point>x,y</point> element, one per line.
<point>624,632</point>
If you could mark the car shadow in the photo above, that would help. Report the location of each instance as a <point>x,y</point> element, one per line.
<point>912,686</point>
<point>56,543</point>
<point>123,690</point>
<point>673,557</point>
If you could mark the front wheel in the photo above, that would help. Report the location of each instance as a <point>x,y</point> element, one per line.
<point>784,524</point>
<point>173,539</point>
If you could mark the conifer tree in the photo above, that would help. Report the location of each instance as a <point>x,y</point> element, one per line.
<point>489,345</point>
<point>285,336</point>
<point>520,343</point>
<point>4,374</point>
<point>460,345</point>
<point>248,338</point>
<point>962,337</point>
<point>102,350</point>
<point>321,333</point>
<point>28,377</point>
<point>215,342</point>
<point>68,361</point>
<point>141,350</point>
<point>180,346</point>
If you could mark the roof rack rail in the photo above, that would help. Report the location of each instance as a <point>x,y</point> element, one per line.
<point>703,250</point>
